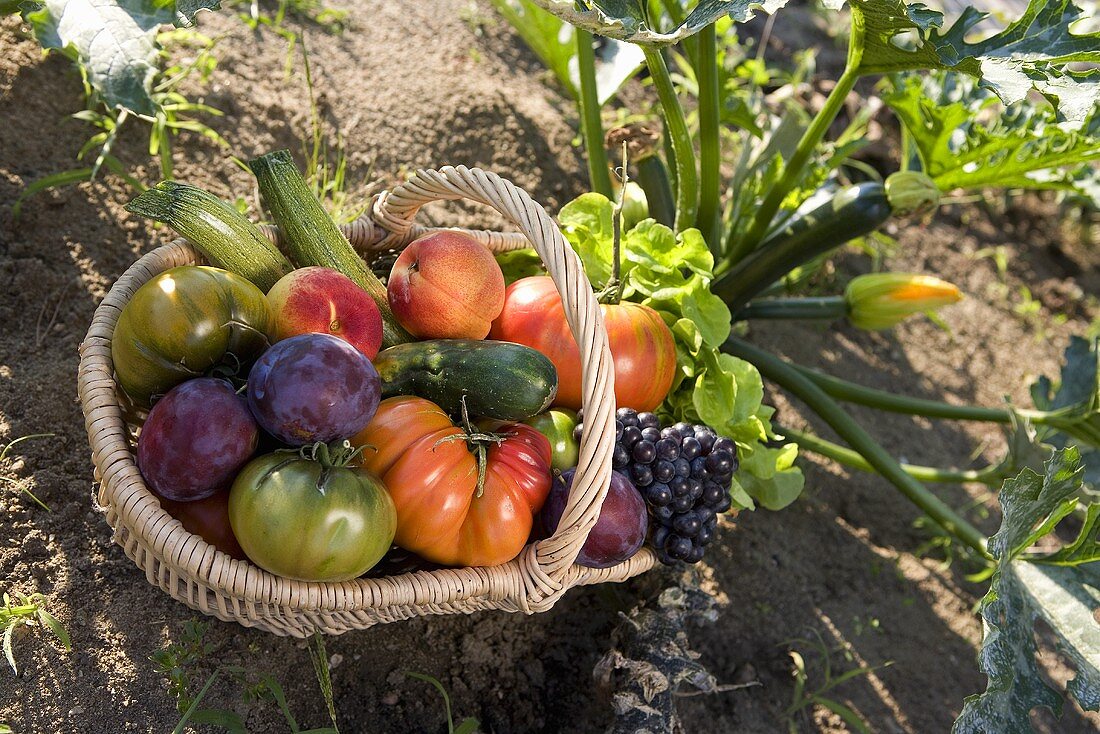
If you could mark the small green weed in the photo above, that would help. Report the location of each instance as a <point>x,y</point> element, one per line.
<point>179,663</point>
<point>29,610</point>
<point>467,725</point>
<point>807,696</point>
<point>18,484</point>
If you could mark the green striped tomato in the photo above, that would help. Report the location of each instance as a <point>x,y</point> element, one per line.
<point>183,323</point>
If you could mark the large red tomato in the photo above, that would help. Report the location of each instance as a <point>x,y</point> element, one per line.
<point>431,473</point>
<point>641,343</point>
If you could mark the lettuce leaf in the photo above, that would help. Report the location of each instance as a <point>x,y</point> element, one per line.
<point>671,273</point>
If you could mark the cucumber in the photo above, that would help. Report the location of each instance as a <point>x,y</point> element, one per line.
<point>853,212</point>
<point>498,379</point>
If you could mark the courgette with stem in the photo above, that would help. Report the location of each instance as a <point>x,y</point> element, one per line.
<point>223,235</point>
<point>310,235</point>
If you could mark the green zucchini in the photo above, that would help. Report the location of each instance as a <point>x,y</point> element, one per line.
<point>223,235</point>
<point>498,379</point>
<point>853,212</point>
<point>310,235</point>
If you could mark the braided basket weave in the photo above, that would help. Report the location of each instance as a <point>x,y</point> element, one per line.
<point>206,579</point>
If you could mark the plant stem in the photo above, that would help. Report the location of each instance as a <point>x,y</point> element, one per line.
<point>850,392</point>
<point>794,168</point>
<point>791,379</point>
<point>844,455</point>
<point>652,176</point>
<point>591,126</point>
<point>823,307</point>
<point>687,182</point>
<point>710,147</point>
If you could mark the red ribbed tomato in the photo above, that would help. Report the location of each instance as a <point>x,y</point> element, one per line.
<point>432,475</point>
<point>640,341</point>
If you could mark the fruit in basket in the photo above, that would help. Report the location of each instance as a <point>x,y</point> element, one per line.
<point>620,529</point>
<point>641,344</point>
<point>209,519</point>
<point>313,387</point>
<point>182,324</point>
<point>497,379</point>
<point>311,516</point>
<point>558,425</point>
<point>684,472</point>
<point>448,510</point>
<point>325,301</point>
<point>195,439</point>
<point>446,285</point>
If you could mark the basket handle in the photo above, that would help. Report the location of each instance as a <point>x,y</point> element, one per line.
<point>394,210</point>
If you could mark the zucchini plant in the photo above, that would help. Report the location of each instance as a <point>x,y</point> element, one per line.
<point>759,184</point>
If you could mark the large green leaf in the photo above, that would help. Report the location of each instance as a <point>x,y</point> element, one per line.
<point>1065,596</point>
<point>627,20</point>
<point>966,141</point>
<point>113,40</point>
<point>1076,396</point>
<point>1031,53</point>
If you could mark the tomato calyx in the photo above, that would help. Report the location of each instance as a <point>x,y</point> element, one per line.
<point>477,442</point>
<point>335,455</point>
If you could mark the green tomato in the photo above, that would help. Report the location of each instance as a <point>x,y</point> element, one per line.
<point>300,519</point>
<point>557,425</point>
<point>184,322</point>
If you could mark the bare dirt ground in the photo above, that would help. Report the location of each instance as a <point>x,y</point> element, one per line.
<point>410,85</point>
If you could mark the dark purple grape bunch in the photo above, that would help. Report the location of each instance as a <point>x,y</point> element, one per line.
<point>684,472</point>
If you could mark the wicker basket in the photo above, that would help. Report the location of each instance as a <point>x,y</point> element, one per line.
<point>206,579</point>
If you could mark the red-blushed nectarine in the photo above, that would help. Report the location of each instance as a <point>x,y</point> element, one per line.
<point>318,300</point>
<point>446,285</point>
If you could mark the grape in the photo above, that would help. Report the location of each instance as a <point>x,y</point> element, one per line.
<point>669,449</point>
<point>724,505</point>
<point>706,440</point>
<point>664,471</point>
<point>644,451</point>
<point>678,546</point>
<point>660,535</point>
<point>711,522</point>
<point>620,529</point>
<point>687,525</point>
<point>651,434</point>
<point>679,486</point>
<point>313,387</point>
<point>672,433</point>
<point>695,554</point>
<point>619,428</point>
<point>690,448</point>
<point>712,493</point>
<point>725,444</point>
<point>658,494</point>
<point>719,463</point>
<point>683,467</point>
<point>664,513</point>
<point>627,416</point>
<point>683,503</point>
<point>699,469</point>
<point>684,429</point>
<point>649,420</point>
<point>619,457</point>
<point>196,439</point>
<point>631,436</point>
<point>705,535</point>
<point>642,475</point>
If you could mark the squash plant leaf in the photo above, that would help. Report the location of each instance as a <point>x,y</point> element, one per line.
<point>1076,397</point>
<point>1062,589</point>
<point>114,41</point>
<point>1031,53</point>
<point>966,140</point>
<point>627,20</point>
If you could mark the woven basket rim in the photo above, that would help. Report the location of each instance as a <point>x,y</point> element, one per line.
<point>531,582</point>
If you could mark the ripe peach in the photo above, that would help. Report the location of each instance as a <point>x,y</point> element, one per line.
<point>317,300</point>
<point>446,285</point>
